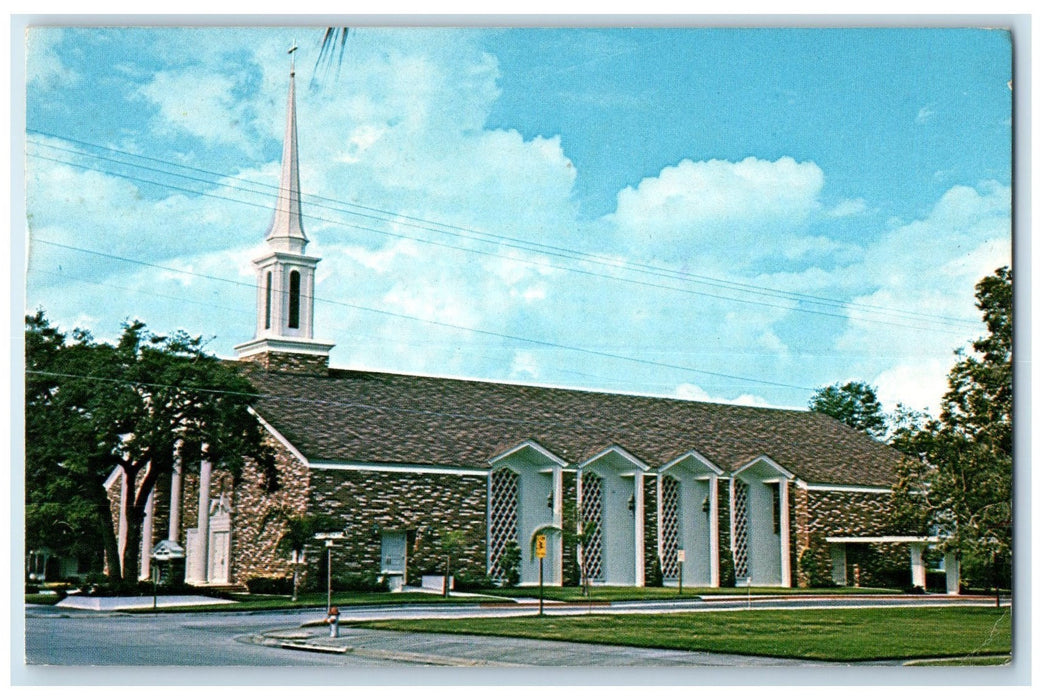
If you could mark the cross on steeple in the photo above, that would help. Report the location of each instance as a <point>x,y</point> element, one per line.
<point>292,58</point>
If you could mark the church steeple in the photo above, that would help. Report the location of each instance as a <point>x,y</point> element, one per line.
<point>284,337</point>
<point>287,229</point>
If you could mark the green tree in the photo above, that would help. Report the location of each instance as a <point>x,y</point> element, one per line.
<point>853,403</point>
<point>300,531</point>
<point>132,406</point>
<point>959,483</point>
<point>450,544</point>
<point>66,506</point>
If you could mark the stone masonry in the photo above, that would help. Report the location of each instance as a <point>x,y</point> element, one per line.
<point>425,505</point>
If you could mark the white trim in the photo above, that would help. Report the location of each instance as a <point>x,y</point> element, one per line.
<point>841,487</point>
<point>619,451</point>
<point>397,468</point>
<point>714,531</point>
<point>115,474</point>
<point>531,444</point>
<point>638,529</point>
<point>280,437</point>
<point>692,454</point>
<point>783,535</point>
<point>882,539</point>
<point>769,462</point>
<point>283,344</point>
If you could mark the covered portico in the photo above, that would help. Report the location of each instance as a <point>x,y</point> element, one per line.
<point>688,507</point>
<point>916,546</point>
<point>610,489</point>
<point>760,523</point>
<point>525,488</point>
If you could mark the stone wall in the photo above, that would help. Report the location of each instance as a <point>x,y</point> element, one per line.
<point>821,514</point>
<point>424,505</point>
<point>260,513</point>
<point>296,363</point>
<point>650,524</point>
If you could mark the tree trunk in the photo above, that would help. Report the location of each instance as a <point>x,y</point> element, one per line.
<point>448,573</point>
<point>132,552</point>
<point>107,533</point>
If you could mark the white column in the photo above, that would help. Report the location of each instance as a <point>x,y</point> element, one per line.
<point>951,573</point>
<point>918,565</point>
<point>201,555</point>
<point>147,528</point>
<point>786,574</point>
<point>658,517</point>
<point>174,528</point>
<point>714,533</point>
<point>638,528</point>
<point>557,575</point>
<point>124,494</point>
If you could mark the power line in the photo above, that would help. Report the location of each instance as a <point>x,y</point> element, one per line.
<point>443,324</point>
<point>521,260</point>
<point>506,241</point>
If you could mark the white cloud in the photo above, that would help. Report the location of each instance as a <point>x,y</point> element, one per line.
<point>45,69</point>
<point>926,113</point>
<point>848,207</point>
<point>729,213</point>
<point>693,392</point>
<point>203,105</point>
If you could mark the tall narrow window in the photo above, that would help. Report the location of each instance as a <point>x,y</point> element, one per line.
<point>294,299</point>
<point>267,301</point>
<point>776,506</point>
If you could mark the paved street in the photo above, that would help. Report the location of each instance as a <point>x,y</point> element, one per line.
<point>270,640</point>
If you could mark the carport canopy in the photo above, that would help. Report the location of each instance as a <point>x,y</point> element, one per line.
<point>916,545</point>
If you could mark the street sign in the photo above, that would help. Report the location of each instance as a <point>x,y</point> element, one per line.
<point>680,555</point>
<point>540,546</point>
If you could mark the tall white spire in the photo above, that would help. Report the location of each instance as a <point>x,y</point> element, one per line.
<point>287,230</point>
<point>284,337</point>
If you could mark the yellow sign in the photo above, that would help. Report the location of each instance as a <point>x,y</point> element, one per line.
<point>540,546</point>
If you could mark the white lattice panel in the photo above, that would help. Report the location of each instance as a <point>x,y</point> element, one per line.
<point>670,527</point>
<point>502,518</point>
<point>741,529</point>
<point>592,513</point>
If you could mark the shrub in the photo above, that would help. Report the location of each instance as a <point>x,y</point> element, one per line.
<point>654,579</point>
<point>510,563</point>
<point>727,575</point>
<point>270,586</point>
<point>360,583</point>
<point>815,569</point>
<point>466,581</point>
<point>572,575</point>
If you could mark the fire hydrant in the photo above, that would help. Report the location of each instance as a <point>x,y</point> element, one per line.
<point>333,619</point>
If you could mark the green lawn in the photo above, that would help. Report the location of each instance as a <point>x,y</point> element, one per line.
<point>821,635</point>
<point>619,593</point>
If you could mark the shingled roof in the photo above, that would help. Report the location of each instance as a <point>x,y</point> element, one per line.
<point>374,417</point>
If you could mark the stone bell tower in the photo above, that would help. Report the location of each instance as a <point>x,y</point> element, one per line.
<point>284,335</point>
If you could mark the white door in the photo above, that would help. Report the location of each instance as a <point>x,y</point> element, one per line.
<point>392,552</point>
<point>219,546</point>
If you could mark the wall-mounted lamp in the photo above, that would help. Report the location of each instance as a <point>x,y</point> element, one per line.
<point>705,505</point>
<point>631,504</point>
<point>550,500</point>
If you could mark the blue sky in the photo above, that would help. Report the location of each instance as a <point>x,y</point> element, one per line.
<point>721,214</point>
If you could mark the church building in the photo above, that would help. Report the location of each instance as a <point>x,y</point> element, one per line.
<point>715,493</point>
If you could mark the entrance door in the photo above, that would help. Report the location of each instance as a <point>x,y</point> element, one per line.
<point>392,552</point>
<point>220,542</point>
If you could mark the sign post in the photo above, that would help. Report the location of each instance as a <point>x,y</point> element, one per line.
<point>540,552</point>
<point>680,563</point>
<point>330,538</point>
